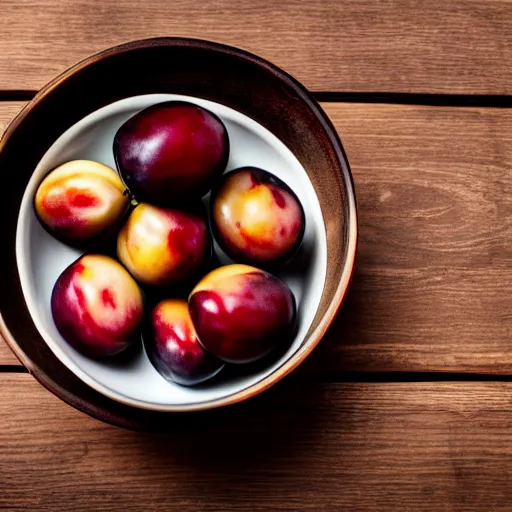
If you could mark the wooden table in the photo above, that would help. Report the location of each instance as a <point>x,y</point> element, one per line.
<point>407,404</point>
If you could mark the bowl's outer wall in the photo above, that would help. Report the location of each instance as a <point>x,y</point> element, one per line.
<point>171,65</point>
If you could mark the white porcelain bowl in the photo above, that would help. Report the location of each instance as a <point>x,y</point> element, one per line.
<point>41,258</point>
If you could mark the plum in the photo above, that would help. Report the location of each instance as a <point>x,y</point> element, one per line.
<point>163,246</point>
<point>97,306</point>
<point>171,152</point>
<point>173,348</point>
<point>241,313</point>
<point>80,201</point>
<point>256,218</point>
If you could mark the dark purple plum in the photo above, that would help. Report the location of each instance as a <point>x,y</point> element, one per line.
<point>241,313</point>
<point>171,152</point>
<point>173,348</point>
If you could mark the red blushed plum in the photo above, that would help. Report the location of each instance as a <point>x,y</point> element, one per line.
<point>241,313</point>
<point>162,246</point>
<point>171,152</point>
<point>80,201</point>
<point>173,348</point>
<point>97,306</point>
<point>256,218</point>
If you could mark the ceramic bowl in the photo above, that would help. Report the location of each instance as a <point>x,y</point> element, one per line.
<point>272,122</point>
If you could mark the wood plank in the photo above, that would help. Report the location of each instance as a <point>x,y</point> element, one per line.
<point>457,46</point>
<point>406,447</point>
<point>431,290</point>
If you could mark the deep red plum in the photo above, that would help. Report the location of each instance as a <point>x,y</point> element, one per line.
<point>241,313</point>
<point>171,152</point>
<point>173,348</point>
<point>97,306</point>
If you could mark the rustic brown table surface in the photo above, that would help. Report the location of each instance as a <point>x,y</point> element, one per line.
<point>407,404</point>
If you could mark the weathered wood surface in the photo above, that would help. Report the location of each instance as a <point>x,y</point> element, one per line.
<point>409,447</point>
<point>455,46</point>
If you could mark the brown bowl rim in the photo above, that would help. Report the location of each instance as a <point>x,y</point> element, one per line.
<point>337,300</point>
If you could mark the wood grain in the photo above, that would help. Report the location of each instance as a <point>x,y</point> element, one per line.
<point>407,447</point>
<point>434,268</point>
<point>437,46</point>
<point>434,271</point>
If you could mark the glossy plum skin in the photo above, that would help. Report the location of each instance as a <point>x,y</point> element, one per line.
<point>163,246</point>
<point>256,218</point>
<point>97,306</point>
<point>241,313</point>
<point>173,348</point>
<point>171,153</point>
<point>80,201</point>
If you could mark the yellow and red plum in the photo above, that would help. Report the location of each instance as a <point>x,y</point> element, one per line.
<point>171,152</point>
<point>97,306</point>
<point>173,348</point>
<point>256,218</point>
<point>81,200</point>
<point>162,246</point>
<point>241,313</point>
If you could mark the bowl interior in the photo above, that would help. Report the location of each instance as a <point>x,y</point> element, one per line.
<point>41,258</point>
